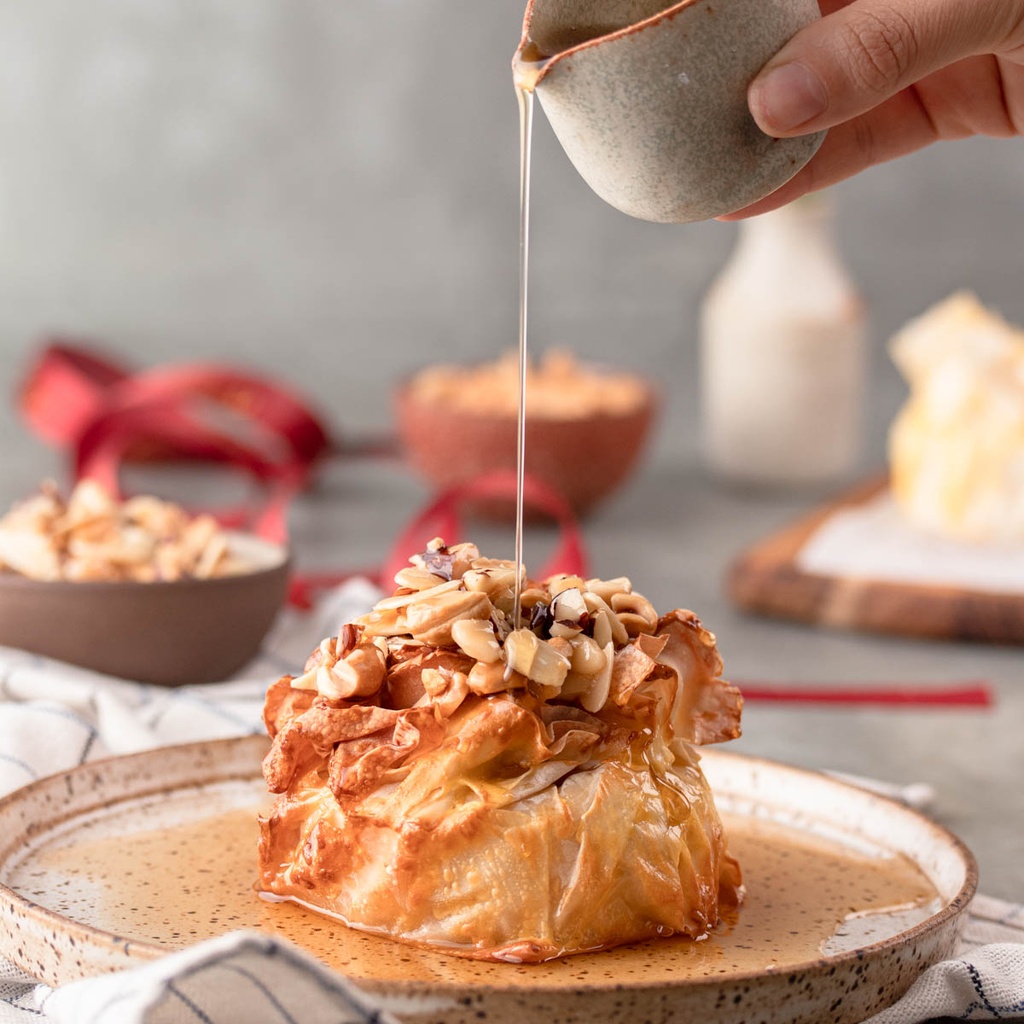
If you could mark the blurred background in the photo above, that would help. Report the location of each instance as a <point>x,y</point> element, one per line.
<point>328,193</point>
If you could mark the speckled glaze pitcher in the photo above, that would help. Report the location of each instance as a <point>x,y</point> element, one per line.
<point>649,102</point>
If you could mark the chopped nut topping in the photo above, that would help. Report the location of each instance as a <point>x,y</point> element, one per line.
<point>559,388</point>
<point>587,642</point>
<point>93,537</point>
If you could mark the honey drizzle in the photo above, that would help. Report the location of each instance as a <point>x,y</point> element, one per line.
<point>525,98</point>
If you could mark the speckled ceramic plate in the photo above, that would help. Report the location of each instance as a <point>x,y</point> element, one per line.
<point>849,897</point>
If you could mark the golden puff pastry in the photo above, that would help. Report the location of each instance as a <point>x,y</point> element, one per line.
<point>956,448</point>
<point>506,794</point>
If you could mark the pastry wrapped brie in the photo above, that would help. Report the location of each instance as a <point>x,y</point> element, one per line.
<point>956,449</point>
<point>506,794</point>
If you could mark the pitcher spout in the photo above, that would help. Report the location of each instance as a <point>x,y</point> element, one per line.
<point>554,28</point>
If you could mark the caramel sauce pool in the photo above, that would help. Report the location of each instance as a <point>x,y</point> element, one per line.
<point>157,875</point>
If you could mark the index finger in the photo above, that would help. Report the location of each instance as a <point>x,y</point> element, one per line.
<point>865,51</point>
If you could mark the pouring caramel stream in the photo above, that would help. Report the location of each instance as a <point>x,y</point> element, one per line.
<point>525,97</point>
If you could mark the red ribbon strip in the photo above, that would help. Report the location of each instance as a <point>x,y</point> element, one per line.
<point>71,391</point>
<point>969,694</point>
<point>106,416</point>
<point>440,519</point>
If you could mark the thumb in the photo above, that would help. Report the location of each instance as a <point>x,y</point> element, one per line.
<point>855,58</point>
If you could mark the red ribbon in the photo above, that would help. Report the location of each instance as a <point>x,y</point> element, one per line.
<point>969,694</point>
<point>105,416</point>
<point>441,518</point>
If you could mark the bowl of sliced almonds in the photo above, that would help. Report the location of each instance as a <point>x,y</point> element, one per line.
<point>586,425</point>
<point>138,589</point>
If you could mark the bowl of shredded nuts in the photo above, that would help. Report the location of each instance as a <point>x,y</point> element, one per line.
<point>586,426</point>
<point>138,589</point>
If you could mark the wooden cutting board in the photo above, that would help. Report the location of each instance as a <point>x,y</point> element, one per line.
<point>767,580</point>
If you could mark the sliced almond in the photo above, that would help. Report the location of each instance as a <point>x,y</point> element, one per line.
<point>607,589</point>
<point>596,696</point>
<point>477,639</point>
<point>530,656</point>
<point>484,679</point>
<point>432,621</point>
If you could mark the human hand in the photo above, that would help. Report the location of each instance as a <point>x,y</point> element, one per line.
<point>888,77</point>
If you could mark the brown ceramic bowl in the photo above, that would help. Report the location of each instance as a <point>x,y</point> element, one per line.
<point>170,633</point>
<point>585,458</point>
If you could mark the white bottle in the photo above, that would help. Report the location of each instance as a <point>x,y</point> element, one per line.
<point>783,347</point>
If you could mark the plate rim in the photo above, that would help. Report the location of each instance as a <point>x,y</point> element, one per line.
<point>239,747</point>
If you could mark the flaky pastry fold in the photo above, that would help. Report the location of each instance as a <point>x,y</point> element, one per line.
<point>562,812</point>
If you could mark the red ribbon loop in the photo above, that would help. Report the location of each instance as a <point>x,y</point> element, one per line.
<point>65,390</point>
<point>440,519</point>
<point>106,416</point>
<point>199,412</point>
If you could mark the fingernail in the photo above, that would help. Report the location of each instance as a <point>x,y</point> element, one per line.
<point>787,97</point>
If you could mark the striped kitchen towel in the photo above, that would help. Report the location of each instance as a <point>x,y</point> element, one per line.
<point>253,978</point>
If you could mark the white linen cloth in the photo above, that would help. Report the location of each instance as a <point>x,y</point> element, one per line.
<point>54,716</point>
<point>874,541</point>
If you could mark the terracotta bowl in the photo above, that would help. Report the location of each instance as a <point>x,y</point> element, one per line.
<point>584,459</point>
<point>649,99</point>
<point>172,633</point>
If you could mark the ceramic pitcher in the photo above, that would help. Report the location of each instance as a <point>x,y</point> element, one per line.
<point>649,102</point>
